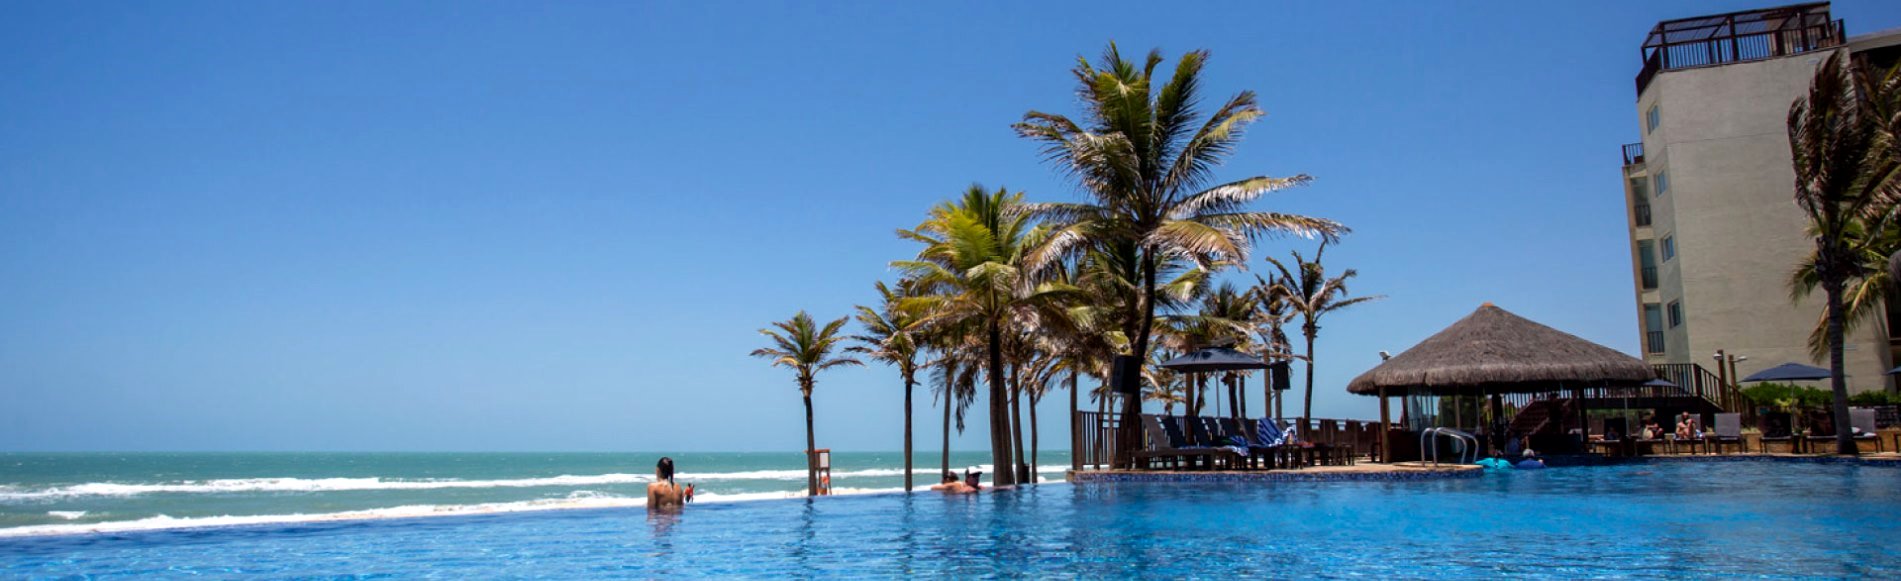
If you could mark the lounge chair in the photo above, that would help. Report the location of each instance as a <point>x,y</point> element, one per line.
<point>1862,421</point>
<point>1163,447</point>
<point>1190,442</point>
<point>1266,446</point>
<point>1729,430</point>
<point>1775,427</point>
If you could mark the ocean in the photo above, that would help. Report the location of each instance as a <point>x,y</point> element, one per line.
<point>62,493</point>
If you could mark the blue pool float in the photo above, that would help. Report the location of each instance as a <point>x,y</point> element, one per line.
<point>1495,464</point>
<point>1530,464</point>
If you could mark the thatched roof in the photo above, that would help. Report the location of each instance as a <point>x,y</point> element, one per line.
<point>1494,351</point>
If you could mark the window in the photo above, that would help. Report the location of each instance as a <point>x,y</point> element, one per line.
<point>1647,263</point>
<point>1663,183</point>
<point>1653,319</point>
<point>1669,247</point>
<point>1651,119</point>
<point>1676,314</point>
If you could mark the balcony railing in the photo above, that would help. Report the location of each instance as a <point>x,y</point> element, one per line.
<point>1653,342</point>
<point>1737,37</point>
<point>1649,277</point>
<point>1633,153</point>
<point>1642,212</point>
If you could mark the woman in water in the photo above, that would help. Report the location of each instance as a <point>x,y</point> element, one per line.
<point>664,494</point>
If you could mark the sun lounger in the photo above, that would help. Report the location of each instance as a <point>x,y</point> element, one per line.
<point>1861,421</point>
<point>1729,430</point>
<point>1168,443</point>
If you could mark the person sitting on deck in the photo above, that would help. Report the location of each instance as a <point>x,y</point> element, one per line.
<point>663,494</point>
<point>1514,446</point>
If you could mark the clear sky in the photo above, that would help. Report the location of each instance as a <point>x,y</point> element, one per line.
<point>535,226</point>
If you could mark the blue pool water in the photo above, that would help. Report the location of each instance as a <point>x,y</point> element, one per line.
<point>1659,519</point>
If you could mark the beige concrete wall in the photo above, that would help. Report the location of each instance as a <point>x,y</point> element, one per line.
<point>1723,143</point>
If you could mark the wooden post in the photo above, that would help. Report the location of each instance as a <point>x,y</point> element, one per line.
<point>1386,451</point>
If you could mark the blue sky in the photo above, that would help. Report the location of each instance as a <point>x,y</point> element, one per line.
<point>516,226</point>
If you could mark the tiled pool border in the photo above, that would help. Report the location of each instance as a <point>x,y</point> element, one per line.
<point>1093,477</point>
<point>1408,474</point>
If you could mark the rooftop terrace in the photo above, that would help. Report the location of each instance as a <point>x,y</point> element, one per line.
<point>1735,37</point>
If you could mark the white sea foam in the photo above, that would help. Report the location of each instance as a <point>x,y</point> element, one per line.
<point>244,485</point>
<point>66,514</point>
<point>577,500</point>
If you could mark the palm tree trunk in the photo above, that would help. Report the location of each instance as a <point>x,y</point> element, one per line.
<point>908,384</point>
<point>1075,455</point>
<point>1016,422</point>
<point>949,397</point>
<point>1000,453</point>
<point>1844,440</point>
<point>1307,407</point>
<point>811,459</point>
<point>1033,442</point>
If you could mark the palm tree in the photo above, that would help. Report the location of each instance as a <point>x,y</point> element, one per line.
<point>1865,293</point>
<point>891,336</point>
<point>805,347</point>
<point>1147,159</point>
<point>1832,140</point>
<point>956,387</point>
<point>1271,315</point>
<point>971,275</point>
<point>1313,295</point>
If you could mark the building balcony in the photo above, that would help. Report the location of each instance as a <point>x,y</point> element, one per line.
<point>1633,153</point>
<point>1649,277</point>
<point>1735,37</point>
<point>1653,342</point>
<point>1641,212</point>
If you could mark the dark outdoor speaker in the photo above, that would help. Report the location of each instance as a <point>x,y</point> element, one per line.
<point>1277,375</point>
<point>1125,375</point>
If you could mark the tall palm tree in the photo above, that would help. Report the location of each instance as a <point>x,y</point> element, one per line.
<point>1832,140</point>
<point>1271,316</point>
<point>1313,295</point>
<point>1866,292</point>
<point>1146,158</point>
<point>891,336</point>
<point>954,375</point>
<point>971,274</point>
<point>806,348</point>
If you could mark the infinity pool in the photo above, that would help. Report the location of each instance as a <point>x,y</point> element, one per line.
<point>1659,519</point>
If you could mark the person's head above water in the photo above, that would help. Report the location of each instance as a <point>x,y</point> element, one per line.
<point>949,478</point>
<point>664,470</point>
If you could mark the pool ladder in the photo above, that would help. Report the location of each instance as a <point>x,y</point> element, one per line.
<point>1468,445</point>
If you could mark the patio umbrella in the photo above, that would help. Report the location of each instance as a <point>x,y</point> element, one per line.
<point>1790,372</point>
<point>1897,369</point>
<point>1214,359</point>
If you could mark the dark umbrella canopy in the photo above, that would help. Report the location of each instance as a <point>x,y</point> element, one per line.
<point>1214,359</point>
<point>1660,382</point>
<point>1495,351</point>
<point>1790,372</point>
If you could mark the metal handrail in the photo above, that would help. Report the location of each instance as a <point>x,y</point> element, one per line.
<point>1431,436</point>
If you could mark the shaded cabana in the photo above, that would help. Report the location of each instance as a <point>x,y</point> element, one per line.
<point>1492,352</point>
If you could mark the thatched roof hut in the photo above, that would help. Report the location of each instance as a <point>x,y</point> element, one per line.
<point>1492,351</point>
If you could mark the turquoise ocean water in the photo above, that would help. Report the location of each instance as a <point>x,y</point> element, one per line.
<point>54,493</point>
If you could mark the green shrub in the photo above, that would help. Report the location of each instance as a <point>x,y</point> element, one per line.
<point>1779,394</point>
<point>1874,398</point>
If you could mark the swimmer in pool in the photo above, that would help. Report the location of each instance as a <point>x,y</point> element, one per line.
<point>664,494</point>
